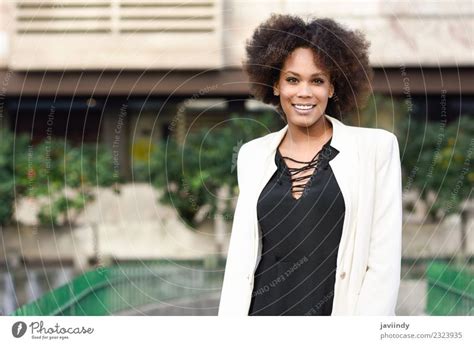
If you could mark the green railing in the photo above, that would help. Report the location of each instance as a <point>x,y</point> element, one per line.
<point>450,290</point>
<point>123,286</point>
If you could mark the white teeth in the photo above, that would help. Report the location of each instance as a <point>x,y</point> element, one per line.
<point>303,107</point>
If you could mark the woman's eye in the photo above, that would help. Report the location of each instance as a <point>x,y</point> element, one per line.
<point>319,81</point>
<point>291,80</point>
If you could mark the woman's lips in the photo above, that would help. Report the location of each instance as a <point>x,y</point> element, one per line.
<point>303,111</point>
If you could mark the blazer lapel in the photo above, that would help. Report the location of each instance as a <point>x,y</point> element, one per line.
<point>346,170</point>
<point>269,158</point>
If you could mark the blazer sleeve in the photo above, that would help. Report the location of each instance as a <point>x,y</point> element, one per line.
<point>234,286</point>
<point>379,291</point>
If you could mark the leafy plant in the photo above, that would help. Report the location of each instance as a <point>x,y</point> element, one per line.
<point>63,208</point>
<point>6,176</point>
<point>437,158</point>
<point>190,173</point>
<point>48,169</point>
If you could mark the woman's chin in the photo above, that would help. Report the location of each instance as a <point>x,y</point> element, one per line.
<point>303,121</point>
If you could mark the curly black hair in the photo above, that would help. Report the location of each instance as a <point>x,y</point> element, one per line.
<point>343,53</point>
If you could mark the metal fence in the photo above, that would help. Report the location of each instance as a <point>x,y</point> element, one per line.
<point>450,290</point>
<point>107,290</point>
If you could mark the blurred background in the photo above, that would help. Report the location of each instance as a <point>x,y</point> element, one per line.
<point>120,123</point>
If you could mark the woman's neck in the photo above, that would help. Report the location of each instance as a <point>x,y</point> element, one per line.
<point>303,137</point>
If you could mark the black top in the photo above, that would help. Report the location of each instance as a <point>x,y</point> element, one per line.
<point>300,240</point>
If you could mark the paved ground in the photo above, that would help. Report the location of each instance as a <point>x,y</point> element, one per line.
<point>411,302</point>
<point>412,298</point>
<point>206,305</point>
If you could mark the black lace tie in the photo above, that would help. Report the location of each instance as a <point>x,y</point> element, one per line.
<point>298,184</point>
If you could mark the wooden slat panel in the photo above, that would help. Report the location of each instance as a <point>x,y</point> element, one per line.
<point>169,24</point>
<point>64,31</point>
<point>161,30</point>
<point>166,11</point>
<point>140,34</point>
<point>104,3</point>
<point>64,12</point>
<point>22,19</point>
<point>70,25</point>
<point>24,4</point>
<point>165,3</point>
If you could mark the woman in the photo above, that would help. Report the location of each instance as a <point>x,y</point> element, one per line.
<point>317,227</point>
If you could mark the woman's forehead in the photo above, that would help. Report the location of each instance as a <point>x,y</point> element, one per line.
<point>303,62</point>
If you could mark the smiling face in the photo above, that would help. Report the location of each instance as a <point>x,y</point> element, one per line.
<point>304,89</point>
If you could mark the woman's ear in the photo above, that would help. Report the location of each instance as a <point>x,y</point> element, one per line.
<point>331,90</point>
<point>276,90</point>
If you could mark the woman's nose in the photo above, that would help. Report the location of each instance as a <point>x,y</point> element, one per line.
<point>304,90</point>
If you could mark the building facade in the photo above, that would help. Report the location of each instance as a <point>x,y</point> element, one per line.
<point>128,73</point>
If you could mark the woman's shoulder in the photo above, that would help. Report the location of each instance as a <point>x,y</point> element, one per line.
<point>375,142</point>
<point>377,139</point>
<point>370,134</point>
<point>257,144</point>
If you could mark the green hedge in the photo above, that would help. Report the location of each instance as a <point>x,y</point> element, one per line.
<point>46,169</point>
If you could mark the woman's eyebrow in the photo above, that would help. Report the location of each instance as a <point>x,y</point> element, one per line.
<point>312,75</point>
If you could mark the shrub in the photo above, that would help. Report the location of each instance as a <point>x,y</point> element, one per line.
<point>48,169</point>
<point>437,158</point>
<point>191,173</point>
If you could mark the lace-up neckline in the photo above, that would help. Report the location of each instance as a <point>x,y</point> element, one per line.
<point>299,184</point>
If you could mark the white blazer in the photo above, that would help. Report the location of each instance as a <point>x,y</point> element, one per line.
<point>368,172</point>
